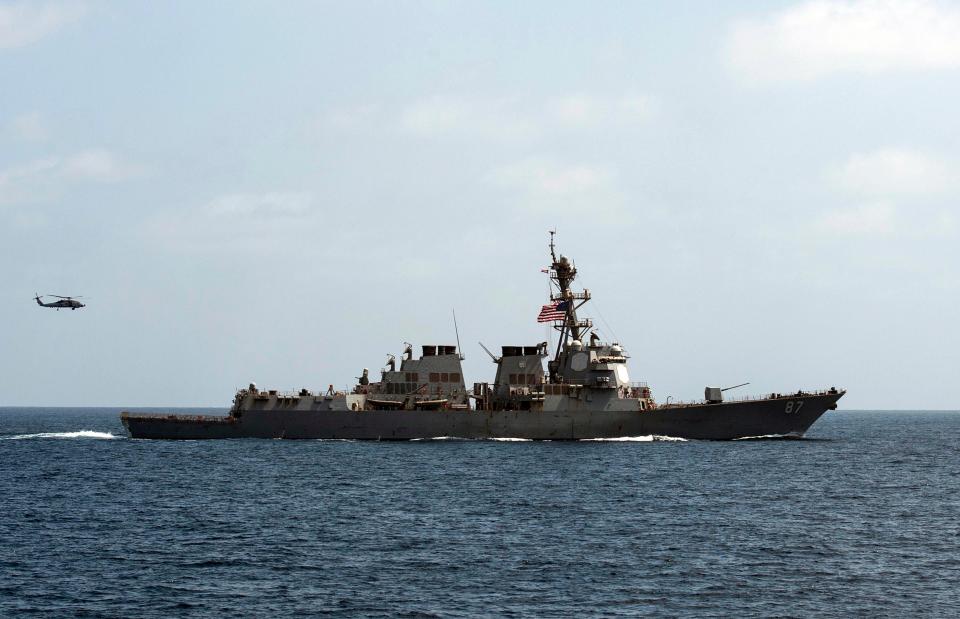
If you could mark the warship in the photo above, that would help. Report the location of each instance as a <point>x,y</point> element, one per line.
<point>584,393</point>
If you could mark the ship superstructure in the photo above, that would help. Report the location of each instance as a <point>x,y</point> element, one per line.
<point>433,381</point>
<point>584,393</point>
<point>595,368</point>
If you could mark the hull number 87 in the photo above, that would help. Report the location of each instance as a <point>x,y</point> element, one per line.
<point>794,406</point>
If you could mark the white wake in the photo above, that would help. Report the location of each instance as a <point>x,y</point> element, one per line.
<point>457,438</point>
<point>79,434</point>
<point>649,438</point>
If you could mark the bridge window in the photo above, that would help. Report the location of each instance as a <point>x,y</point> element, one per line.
<point>434,377</point>
<point>455,377</point>
<point>444,377</point>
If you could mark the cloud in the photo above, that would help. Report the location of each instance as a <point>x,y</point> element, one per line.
<point>884,220</point>
<point>823,37</point>
<point>37,180</point>
<point>20,172</point>
<point>242,223</point>
<point>16,182</point>
<point>903,193</point>
<point>867,220</point>
<point>101,166</point>
<point>263,204</point>
<point>546,185</point>
<point>352,118</point>
<point>30,127</point>
<point>550,178</point>
<point>895,172</point>
<point>498,119</point>
<point>589,111</point>
<point>24,23</point>
<point>458,116</point>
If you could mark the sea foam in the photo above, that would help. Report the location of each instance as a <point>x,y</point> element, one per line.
<point>649,438</point>
<point>78,434</point>
<point>457,438</point>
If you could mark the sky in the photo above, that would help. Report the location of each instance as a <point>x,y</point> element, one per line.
<point>286,192</point>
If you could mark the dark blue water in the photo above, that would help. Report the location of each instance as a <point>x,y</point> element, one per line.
<point>860,519</point>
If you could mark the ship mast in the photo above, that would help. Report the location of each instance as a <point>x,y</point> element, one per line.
<point>562,273</point>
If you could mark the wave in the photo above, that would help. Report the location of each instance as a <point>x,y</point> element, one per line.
<point>771,437</point>
<point>649,438</point>
<point>78,434</point>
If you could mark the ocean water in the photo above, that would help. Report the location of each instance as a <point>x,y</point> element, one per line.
<point>860,519</point>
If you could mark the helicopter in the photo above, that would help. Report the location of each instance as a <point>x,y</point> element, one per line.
<point>64,302</point>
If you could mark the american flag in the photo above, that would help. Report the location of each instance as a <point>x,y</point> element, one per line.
<point>553,311</point>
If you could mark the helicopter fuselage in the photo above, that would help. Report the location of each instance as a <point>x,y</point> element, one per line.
<point>71,304</point>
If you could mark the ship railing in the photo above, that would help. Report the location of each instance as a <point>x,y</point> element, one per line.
<point>177,417</point>
<point>295,393</point>
<point>754,398</point>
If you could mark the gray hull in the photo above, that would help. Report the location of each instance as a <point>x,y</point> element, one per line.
<point>724,421</point>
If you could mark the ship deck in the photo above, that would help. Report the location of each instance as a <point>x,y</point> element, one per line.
<point>752,398</point>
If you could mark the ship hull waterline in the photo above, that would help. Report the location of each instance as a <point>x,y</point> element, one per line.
<point>722,421</point>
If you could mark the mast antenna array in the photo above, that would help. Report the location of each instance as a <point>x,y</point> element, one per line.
<point>562,273</point>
